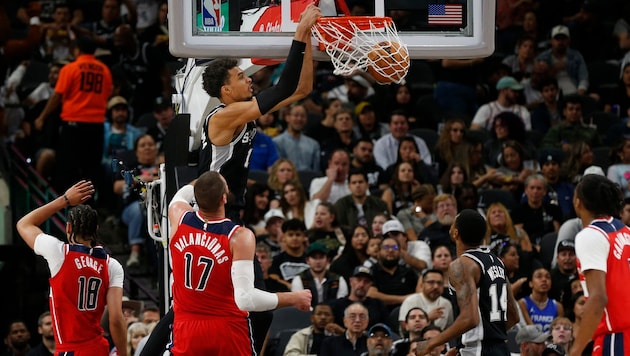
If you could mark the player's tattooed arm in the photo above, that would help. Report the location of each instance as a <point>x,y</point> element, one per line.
<point>464,284</point>
<point>463,276</point>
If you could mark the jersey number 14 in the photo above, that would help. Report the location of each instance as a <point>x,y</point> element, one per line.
<point>499,300</point>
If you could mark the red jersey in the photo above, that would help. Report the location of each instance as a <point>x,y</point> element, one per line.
<point>80,279</point>
<point>604,245</point>
<point>85,85</point>
<point>202,269</point>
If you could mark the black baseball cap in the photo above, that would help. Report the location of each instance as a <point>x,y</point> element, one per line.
<point>161,103</point>
<point>550,155</point>
<point>362,270</point>
<point>566,245</point>
<point>381,327</point>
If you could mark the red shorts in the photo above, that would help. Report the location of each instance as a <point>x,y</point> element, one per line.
<point>612,344</point>
<point>217,336</point>
<point>98,347</point>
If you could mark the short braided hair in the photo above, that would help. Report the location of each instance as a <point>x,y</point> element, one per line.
<point>84,222</point>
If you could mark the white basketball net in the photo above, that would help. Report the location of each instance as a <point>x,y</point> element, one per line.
<point>348,46</point>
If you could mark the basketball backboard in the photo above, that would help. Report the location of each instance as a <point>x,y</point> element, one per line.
<point>264,29</point>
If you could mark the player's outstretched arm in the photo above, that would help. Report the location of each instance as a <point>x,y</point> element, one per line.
<point>28,226</point>
<point>117,324</point>
<point>300,299</point>
<point>249,298</point>
<point>593,309</point>
<point>463,275</point>
<point>296,81</point>
<point>303,34</point>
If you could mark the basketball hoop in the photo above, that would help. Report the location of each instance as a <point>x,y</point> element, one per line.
<point>349,39</point>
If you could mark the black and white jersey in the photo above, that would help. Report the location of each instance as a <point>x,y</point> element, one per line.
<point>493,299</point>
<point>231,160</point>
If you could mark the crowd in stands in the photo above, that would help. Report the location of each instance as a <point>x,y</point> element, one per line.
<point>140,319</point>
<point>352,191</point>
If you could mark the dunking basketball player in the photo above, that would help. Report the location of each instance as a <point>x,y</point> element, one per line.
<point>229,132</point>
<point>485,300</point>
<point>229,129</point>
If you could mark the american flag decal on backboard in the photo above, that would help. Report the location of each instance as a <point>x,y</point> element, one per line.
<point>445,14</point>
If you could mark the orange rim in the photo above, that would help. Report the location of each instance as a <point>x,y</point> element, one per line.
<point>362,22</point>
<point>343,24</point>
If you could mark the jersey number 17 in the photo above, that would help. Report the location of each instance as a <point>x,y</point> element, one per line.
<point>207,264</point>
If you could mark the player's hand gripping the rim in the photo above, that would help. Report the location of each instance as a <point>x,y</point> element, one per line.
<point>307,19</point>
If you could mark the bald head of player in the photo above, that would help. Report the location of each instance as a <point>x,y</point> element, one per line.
<point>468,229</point>
<point>211,192</point>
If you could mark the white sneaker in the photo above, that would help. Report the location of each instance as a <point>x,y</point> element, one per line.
<point>134,259</point>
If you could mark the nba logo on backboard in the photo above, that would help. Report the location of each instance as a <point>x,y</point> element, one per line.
<point>211,12</point>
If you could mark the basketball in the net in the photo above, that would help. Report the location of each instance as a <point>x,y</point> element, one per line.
<point>388,62</point>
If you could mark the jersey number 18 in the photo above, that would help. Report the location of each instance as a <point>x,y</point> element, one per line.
<point>88,293</point>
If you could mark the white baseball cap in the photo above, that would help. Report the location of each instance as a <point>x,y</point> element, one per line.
<point>273,213</point>
<point>392,226</point>
<point>594,170</point>
<point>560,30</point>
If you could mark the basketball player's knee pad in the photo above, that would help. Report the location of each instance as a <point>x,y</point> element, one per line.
<point>245,295</point>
